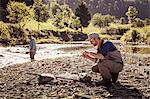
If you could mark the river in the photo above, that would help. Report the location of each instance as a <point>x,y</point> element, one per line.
<point>19,54</point>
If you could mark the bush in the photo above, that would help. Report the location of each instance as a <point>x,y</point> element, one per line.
<point>4,33</point>
<point>138,23</point>
<point>100,20</point>
<point>19,34</point>
<point>134,36</point>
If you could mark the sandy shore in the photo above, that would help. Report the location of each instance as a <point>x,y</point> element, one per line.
<point>133,83</point>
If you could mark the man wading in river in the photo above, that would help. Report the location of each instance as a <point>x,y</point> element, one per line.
<point>108,59</point>
<point>32,47</point>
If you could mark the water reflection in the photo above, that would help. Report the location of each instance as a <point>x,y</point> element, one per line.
<point>138,50</point>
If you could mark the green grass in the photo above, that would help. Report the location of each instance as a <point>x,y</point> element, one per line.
<point>91,29</point>
<point>34,25</point>
<point>51,39</point>
<point>118,25</point>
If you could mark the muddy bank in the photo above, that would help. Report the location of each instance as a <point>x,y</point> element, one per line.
<point>15,82</point>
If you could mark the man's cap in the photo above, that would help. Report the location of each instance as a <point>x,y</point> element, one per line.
<point>93,35</point>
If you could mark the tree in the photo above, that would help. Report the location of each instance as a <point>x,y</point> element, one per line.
<point>97,20</point>
<point>132,14</point>
<point>18,12</point>
<point>63,16</point>
<point>41,11</point>
<point>75,23</point>
<point>100,20</point>
<point>83,13</point>
<point>53,6</point>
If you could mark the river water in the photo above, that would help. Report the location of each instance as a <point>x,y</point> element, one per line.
<point>19,54</point>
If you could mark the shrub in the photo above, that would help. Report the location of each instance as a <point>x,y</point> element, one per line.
<point>138,23</point>
<point>18,12</point>
<point>100,20</point>
<point>134,35</point>
<point>4,33</point>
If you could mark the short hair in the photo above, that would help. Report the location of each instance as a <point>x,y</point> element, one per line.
<point>93,35</point>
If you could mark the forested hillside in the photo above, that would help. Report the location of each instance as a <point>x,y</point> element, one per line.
<point>113,7</point>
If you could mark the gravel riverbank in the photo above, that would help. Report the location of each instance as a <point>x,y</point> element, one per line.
<point>134,80</point>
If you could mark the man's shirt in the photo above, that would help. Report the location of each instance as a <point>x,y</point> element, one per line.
<point>32,44</point>
<point>106,47</point>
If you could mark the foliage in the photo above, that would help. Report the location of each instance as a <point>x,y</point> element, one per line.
<point>12,34</point>
<point>76,24</point>
<point>53,7</point>
<point>100,20</point>
<point>147,21</point>
<point>18,12</point>
<point>64,17</point>
<point>4,32</point>
<point>138,23</point>
<point>132,14</point>
<point>136,35</point>
<point>41,11</point>
<point>83,13</point>
<point>122,20</point>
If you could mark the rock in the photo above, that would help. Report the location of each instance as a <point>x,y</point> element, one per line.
<point>140,64</point>
<point>45,78</point>
<point>141,74</point>
<point>147,73</point>
<point>78,96</point>
<point>85,79</point>
<point>131,76</point>
<point>1,56</point>
<point>139,77</point>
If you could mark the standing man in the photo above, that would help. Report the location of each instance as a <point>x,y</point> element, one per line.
<point>32,47</point>
<point>108,59</point>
